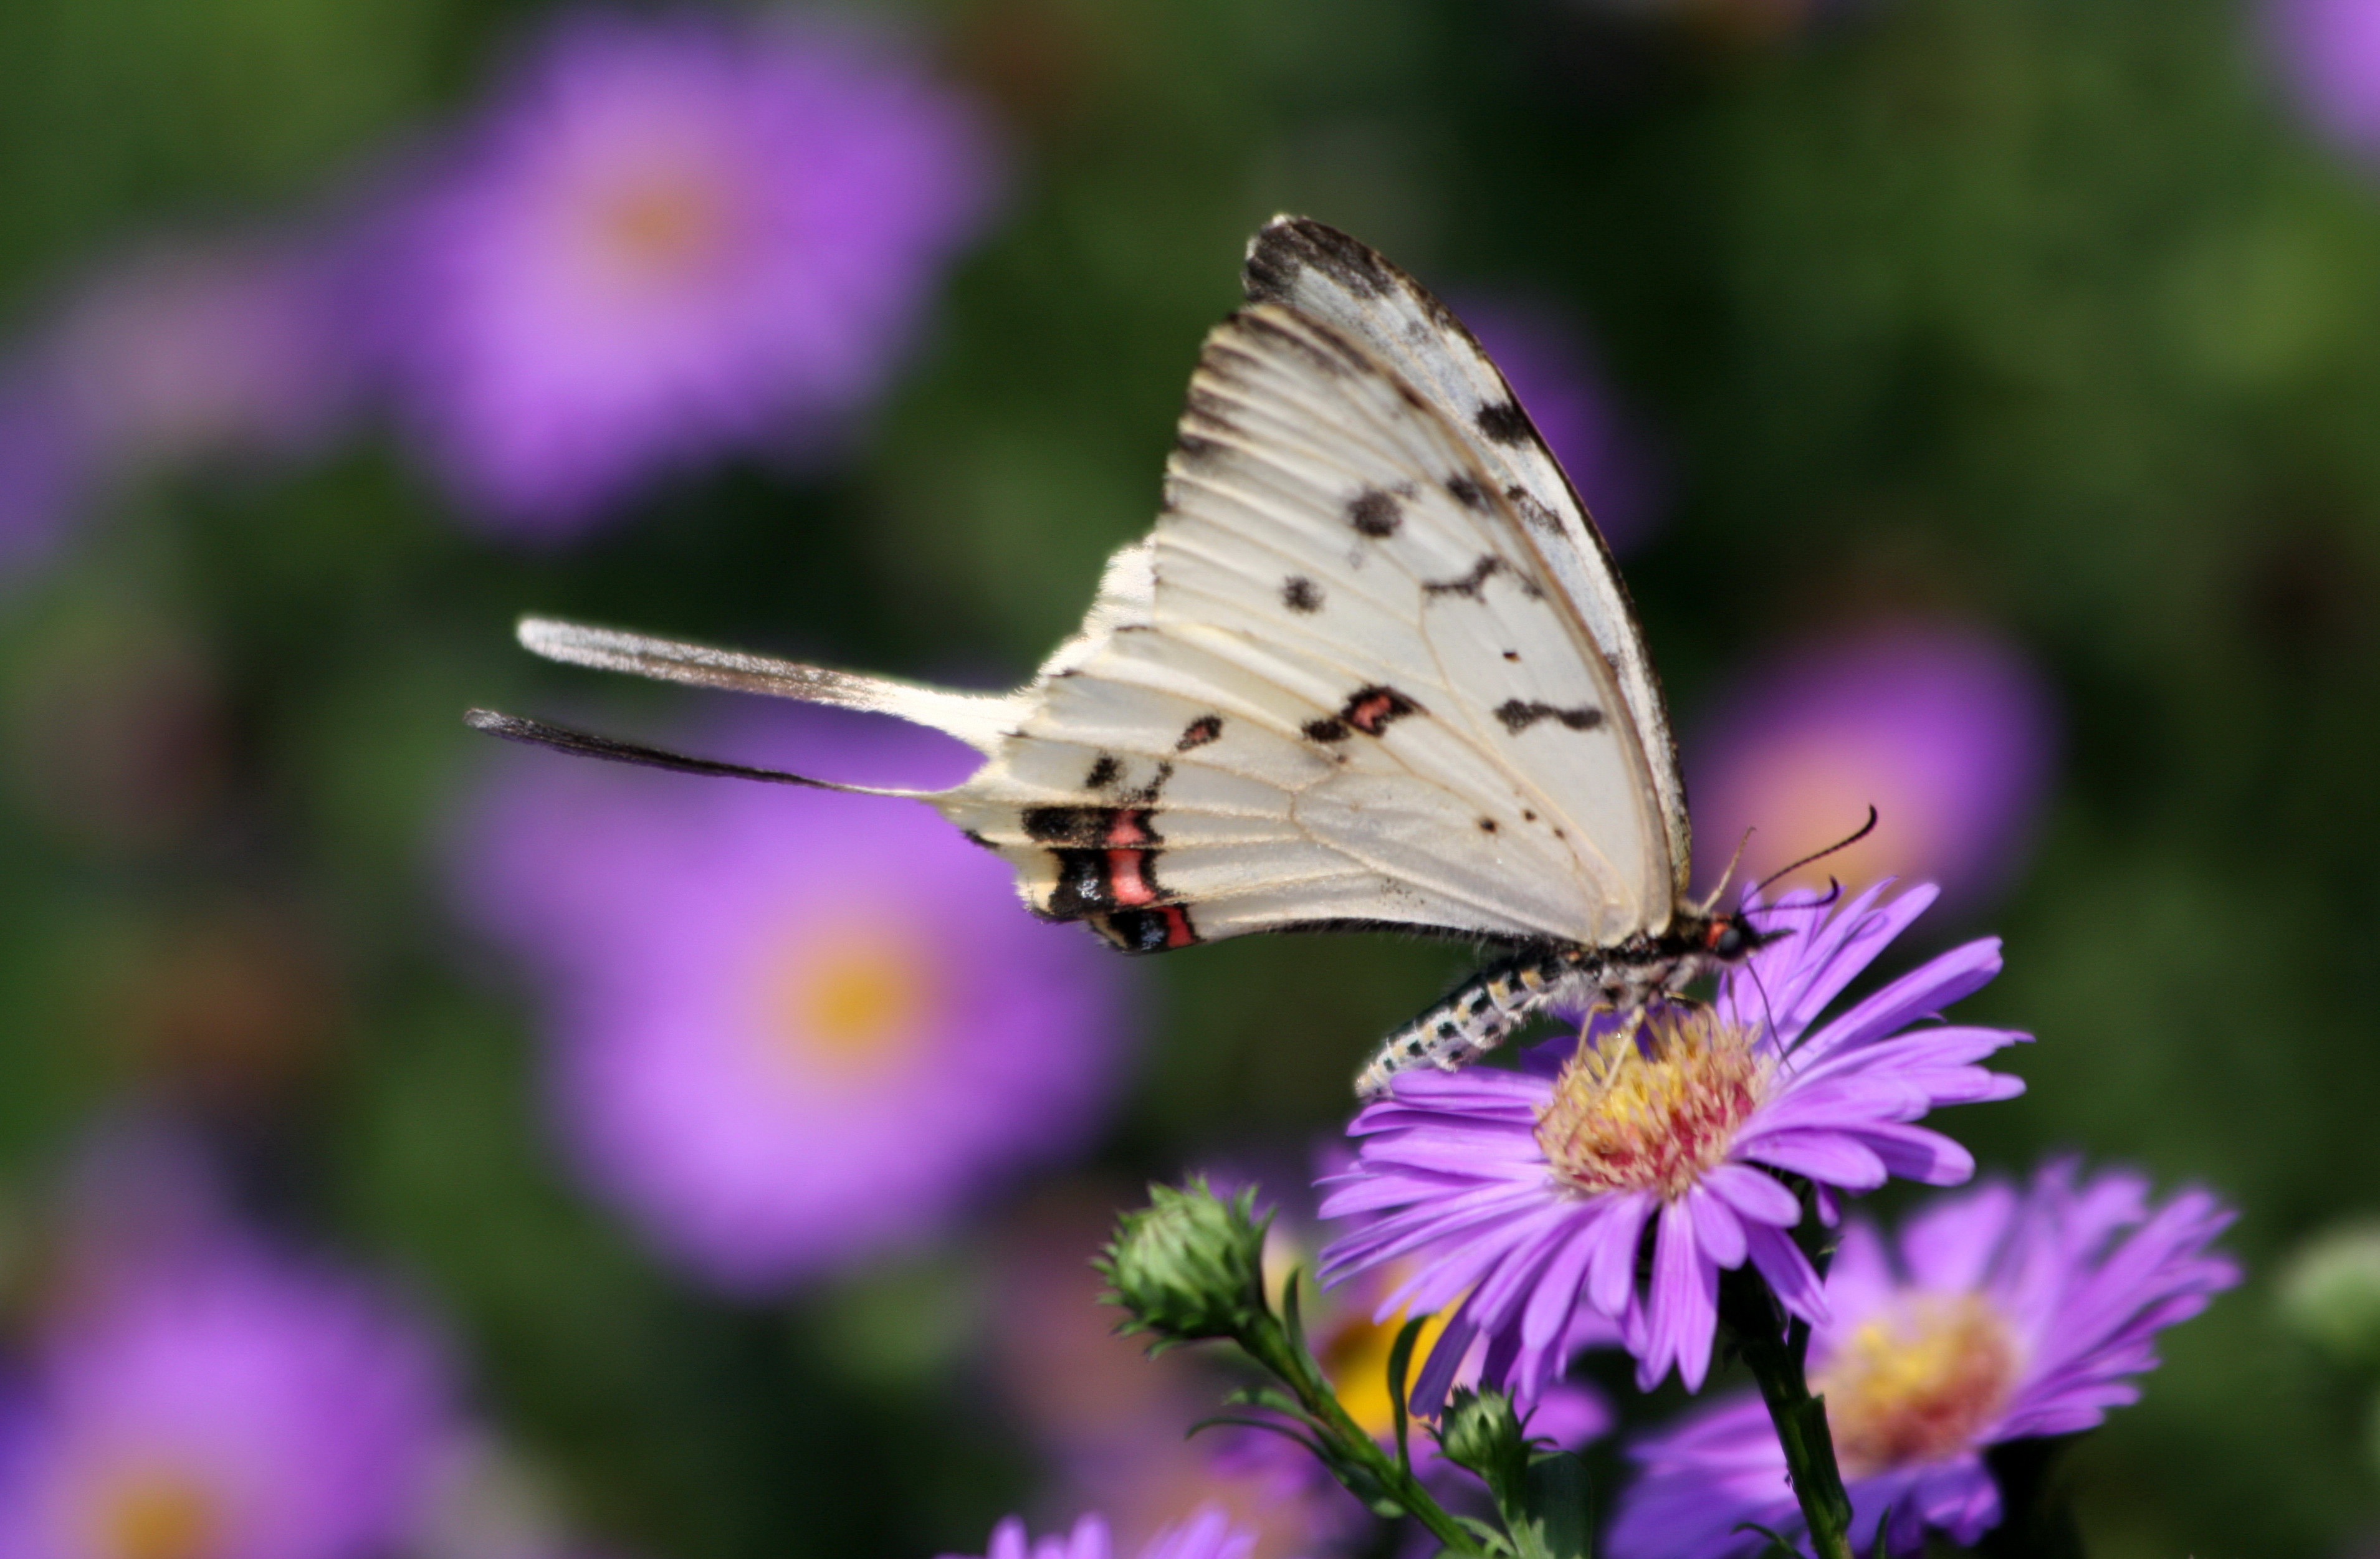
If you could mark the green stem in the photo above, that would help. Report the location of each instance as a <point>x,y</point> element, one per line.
<point>1773,1348</point>
<point>1268,1342</point>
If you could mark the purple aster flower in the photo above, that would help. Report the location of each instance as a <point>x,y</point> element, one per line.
<point>1208,1535</point>
<point>789,1028</point>
<point>237,348</point>
<point>670,237</point>
<point>1526,1193</point>
<point>238,1404</point>
<point>2000,1316</point>
<point>2328,52</point>
<point>1555,377</point>
<point>46,473</point>
<point>1948,732</point>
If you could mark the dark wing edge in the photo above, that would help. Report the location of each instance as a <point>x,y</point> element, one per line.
<point>1282,261</point>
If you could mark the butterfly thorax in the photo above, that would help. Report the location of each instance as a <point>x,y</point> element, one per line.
<point>1624,977</point>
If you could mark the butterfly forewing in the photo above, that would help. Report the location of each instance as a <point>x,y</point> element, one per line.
<point>1325,275</point>
<point>1352,693</point>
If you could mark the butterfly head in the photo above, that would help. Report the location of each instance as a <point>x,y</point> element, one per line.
<point>1731,937</point>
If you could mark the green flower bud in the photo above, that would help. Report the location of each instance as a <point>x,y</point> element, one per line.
<point>1480,1431</point>
<point>2330,1293</point>
<point>1188,1265</point>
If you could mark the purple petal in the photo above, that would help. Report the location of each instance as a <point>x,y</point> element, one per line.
<point>1835,1159</point>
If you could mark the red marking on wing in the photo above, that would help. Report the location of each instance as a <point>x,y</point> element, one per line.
<point>1128,827</point>
<point>1177,926</point>
<point>1127,885</point>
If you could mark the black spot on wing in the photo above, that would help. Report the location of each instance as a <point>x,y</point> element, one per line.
<point>1518,717</point>
<point>1487,825</point>
<point>1105,772</point>
<point>1147,794</point>
<point>1065,825</point>
<point>1503,422</point>
<point>1372,709</point>
<point>1467,492</point>
<point>1301,594</point>
<point>1511,654</point>
<point>1470,584</point>
<point>1200,731</point>
<point>1532,510</point>
<point>1325,731</point>
<point>1375,513</point>
<point>1292,245</point>
<point>1152,930</point>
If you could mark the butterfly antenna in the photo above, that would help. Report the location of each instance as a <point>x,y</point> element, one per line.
<point>1845,843</point>
<point>1824,901</point>
<point>1726,876</point>
<point>585,744</point>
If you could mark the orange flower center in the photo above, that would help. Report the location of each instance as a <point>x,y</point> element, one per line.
<point>657,225</point>
<point>1653,1105</point>
<point>157,1514</point>
<point>853,1000</point>
<point>1918,1383</point>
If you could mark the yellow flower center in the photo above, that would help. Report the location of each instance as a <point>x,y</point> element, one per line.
<point>1918,1383</point>
<point>1354,1357</point>
<point>660,224</point>
<point>853,1000</point>
<point>1653,1105</point>
<point>157,1515</point>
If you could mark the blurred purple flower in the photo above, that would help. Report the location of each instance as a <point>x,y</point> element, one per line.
<point>1948,731</point>
<point>236,1404</point>
<point>46,473</point>
<point>1550,370</point>
<point>672,237</point>
<point>2329,55</point>
<point>1208,1535</point>
<point>1526,1193</point>
<point>789,1028</point>
<point>236,348</point>
<point>2000,1317</point>
<point>231,349</point>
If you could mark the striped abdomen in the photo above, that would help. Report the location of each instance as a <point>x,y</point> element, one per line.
<point>1498,1000</point>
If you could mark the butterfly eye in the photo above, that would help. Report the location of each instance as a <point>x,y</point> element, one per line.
<point>1727,939</point>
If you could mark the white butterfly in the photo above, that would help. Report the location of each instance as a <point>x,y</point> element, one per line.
<point>1373,668</point>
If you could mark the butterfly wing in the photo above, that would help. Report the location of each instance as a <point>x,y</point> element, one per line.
<point>1336,684</point>
<point>1347,679</point>
<point>1323,274</point>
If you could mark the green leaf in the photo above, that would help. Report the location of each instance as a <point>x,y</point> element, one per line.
<point>1559,1506</point>
<point>1779,1546</point>
<point>1400,1361</point>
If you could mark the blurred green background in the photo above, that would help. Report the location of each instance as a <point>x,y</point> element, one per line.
<point>2044,312</point>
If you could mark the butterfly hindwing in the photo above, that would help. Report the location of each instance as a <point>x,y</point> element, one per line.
<point>1326,275</point>
<point>1352,694</point>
